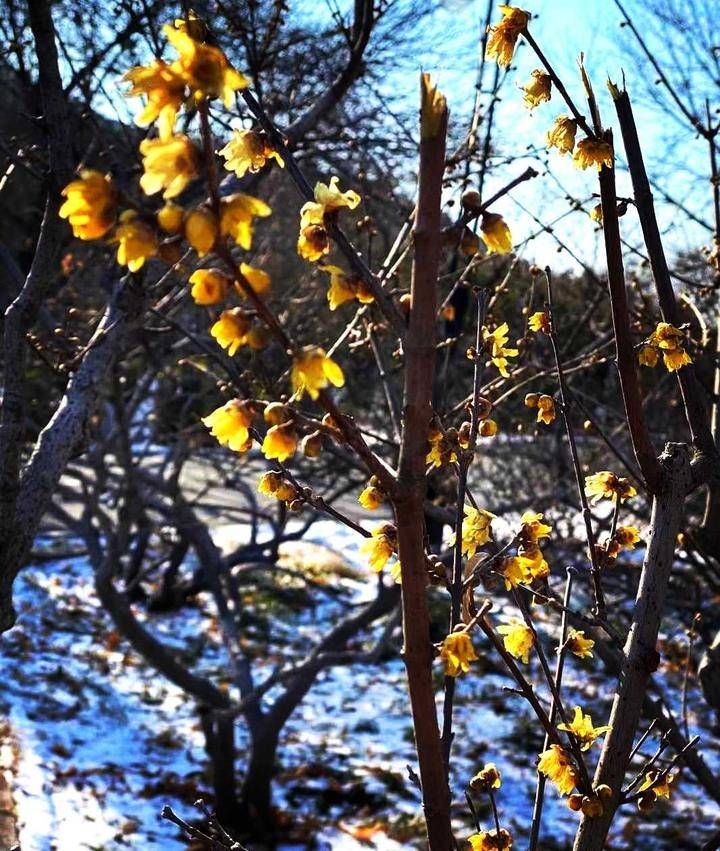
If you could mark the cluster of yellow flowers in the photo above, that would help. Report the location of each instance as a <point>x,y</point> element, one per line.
<point>380,547</point>
<point>444,446</point>
<point>668,340</point>
<point>529,564</point>
<point>501,44</point>
<point>545,406</point>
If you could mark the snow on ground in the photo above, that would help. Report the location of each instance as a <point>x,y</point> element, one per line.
<point>105,742</point>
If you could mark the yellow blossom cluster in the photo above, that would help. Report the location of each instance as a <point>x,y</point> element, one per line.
<point>273,484</point>
<point>519,639</point>
<point>545,406</point>
<point>476,529</point>
<point>558,767</point>
<point>529,564</point>
<point>667,340</point>
<point>372,495</point>
<point>316,215</point>
<point>503,36</point>
<point>496,344</point>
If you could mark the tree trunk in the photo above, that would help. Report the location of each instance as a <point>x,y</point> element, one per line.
<point>256,792</point>
<point>219,730</point>
<point>640,653</point>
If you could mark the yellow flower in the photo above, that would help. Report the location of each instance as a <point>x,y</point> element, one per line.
<point>205,68</point>
<point>371,498</point>
<point>546,410</point>
<point>625,538</point>
<point>670,340</point>
<point>519,639</point>
<point>276,413</point>
<point>136,241</point>
<point>496,234</point>
<point>596,214</point>
<point>248,150</point>
<point>538,89</point>
<point>313,242</point>
<point>328,199</point>
<point>164,88</point>
<point>516,572</point>
<point>170,217</point>
<point>209,286</point>
<point>658,783</point>
<point>230,424</point>
<point>258,280</point>
<point>313,370</point>
<point>380,546</point>
<point>534,561</point>
<point>201,230</point>
<point>606,485</point>
<point>488,428</point>
<point>280,441</point>
<point>593,152</point>
<point>499,352</point>
<point>582,728</point>
<point>648,356</point>
<point>269,482</point>
<point>555,764</point>
<point>491,840</point>
<point>578,645</point>
<point>562,134</point>
<point>457,652</point>
<point>231,329</point>
<point>90,207</point>
<point>286,492</point>
<point>487,778</point>
<point>504,35</point>
<point>539,321</point>
<point>344,287</point>
<point>441,451</point>
<point>476,529</point>
<point>532,528</point>
<point>168,164</point>
<point>236,217</point>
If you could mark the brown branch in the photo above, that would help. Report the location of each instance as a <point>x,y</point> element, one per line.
<point>632,400</point>
<point>693,401</point>
<point>419,371</point>
<point>640,654</point>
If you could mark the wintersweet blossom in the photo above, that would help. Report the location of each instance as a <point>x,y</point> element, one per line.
<point>607,485</point>
<point>519,639</point>
<point>495,233</point>
<point>136,240</point>
<point>163,87</point>
<point>230,424</point>
<point>503,36</point>
<point>209,286</point>
<point>204,67</point>
<point>582,728</point>
<point>313,370</point>
<point>237,213</point>
<point>557,766</point>
<point>457,652</point>
<point>380,546</point>
<point>593,152</point>
<point>168,164</point>
<point>248,151</point>
<point>90,205</point>
<point>562,134</point>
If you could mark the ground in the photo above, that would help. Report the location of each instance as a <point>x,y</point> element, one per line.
<point>97,743</point>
